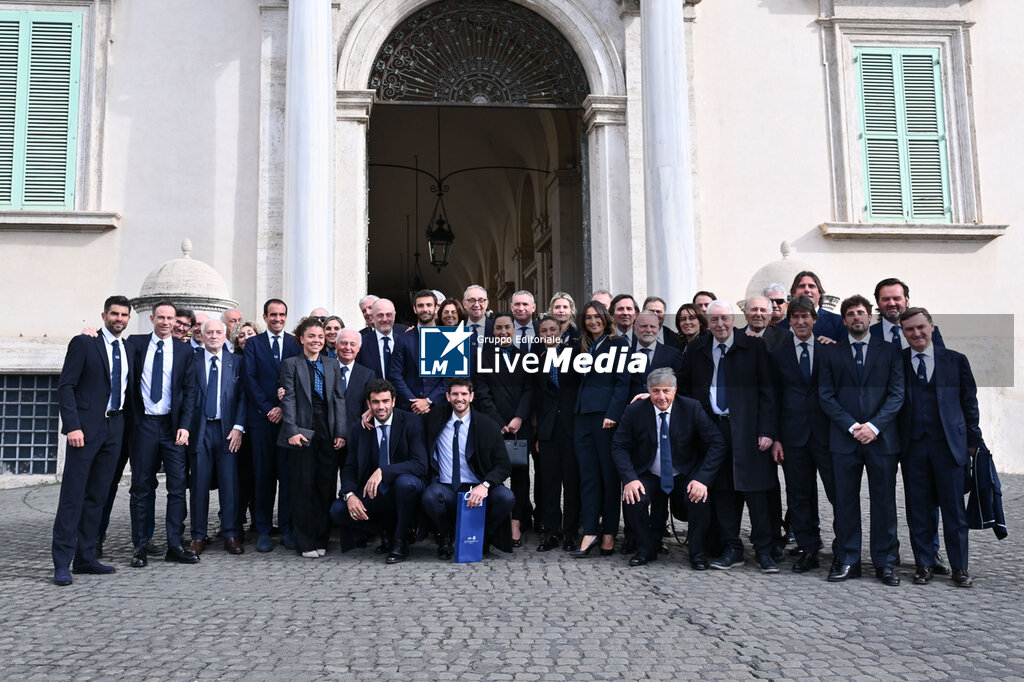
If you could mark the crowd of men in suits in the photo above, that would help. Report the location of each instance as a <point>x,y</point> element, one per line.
<point>700,431</point>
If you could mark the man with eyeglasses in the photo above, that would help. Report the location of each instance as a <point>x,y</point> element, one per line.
<point>475,301</point>
<point>184,320</point>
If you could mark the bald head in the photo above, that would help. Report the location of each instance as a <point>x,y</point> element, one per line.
<point>383,312</point>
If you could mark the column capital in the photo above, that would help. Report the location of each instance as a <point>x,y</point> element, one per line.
<point>604,110</point>
<point>631,8</point>
<point>354,105</point>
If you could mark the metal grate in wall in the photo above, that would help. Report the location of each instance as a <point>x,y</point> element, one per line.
<point>28,423</point>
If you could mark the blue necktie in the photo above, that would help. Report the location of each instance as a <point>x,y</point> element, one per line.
<point>721,399</point>
<point>896,335</point>
<point>275,347</point>
<point>382,459</point>
<point>115,376</point>
<point>554,374</point>
<point>318,377</point>
<point>211,390</point>
<point>647,354</point>
<point>387,357</point>
<point>522,338</point>
<point>456,459</point>
<point>156,383</point>
<point>858,359</point>
<point>344,379</point>
<point>805,362</point>
<point>665,447</point>
<point>922,371</point>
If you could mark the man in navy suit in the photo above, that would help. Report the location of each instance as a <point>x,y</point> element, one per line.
<point>416,394</point>
<point>802,445</point>
<point>466,455</point>
<point>382,480</point>
<point>861,389</point>
<point>474,300</point>
<point>940,435</point>
<point>378,342</point>
<point>623,309</point>
<point>366,308</point>
<point>829,324</point>
<point>354,380</point>
<point>93,392</point>
<point>217,426</point>
<point>666,448</point>
<point>646,326</point>
<point>263,356</point>
<point>525,337</point>
<point>666,336</point>
<point>162,416</point>
<point>758,311</point>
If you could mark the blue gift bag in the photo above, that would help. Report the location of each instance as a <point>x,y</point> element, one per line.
<point>469,530</point>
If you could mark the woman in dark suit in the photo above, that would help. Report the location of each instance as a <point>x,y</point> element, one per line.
<point>600,401</point>
<point>313,426</point>
<point>691,323</point>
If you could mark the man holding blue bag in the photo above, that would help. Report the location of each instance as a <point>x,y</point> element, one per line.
<point>468,464</point>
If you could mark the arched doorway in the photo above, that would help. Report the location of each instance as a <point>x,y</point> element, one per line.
<point>493,86</point>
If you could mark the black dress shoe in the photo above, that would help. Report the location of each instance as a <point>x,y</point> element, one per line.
<point>152,549</point>
<point>940,567</point>
<point>886,575</point>
<point>961,578</point>
<point>640,559</point>
<point>93,568</point>
<point>699,562</point>
<point>180,555</point>
<point>766,563</point>
<point>805,561</point>
<point>570,542</point>
<point>386,543</point>
<point>398,552</point>
<point>729,558</point>
<point>517,542</point>
<point>923,575</point>
<point>552,542</point>
<point>139,558</point>
<point>444,548</point>
<point>843,572</point>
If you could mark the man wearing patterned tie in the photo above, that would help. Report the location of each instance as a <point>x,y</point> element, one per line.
<point>666,448</point>
<point>264,354</point>
<point>382,479</point>
<point>658,354</point>
<point>940,434</point>
<point>93,392</point>
<point>165,398</point>
<point>523,308</point>
<point>217,426</point>
<point>861,389</point>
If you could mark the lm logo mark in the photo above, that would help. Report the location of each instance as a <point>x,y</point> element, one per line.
<point>444,351</point>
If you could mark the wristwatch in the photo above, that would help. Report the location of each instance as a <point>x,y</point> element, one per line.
<point>486,484</point>
<point>344,498</point>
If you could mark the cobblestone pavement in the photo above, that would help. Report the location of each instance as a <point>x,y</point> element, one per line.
<point>525,616</point>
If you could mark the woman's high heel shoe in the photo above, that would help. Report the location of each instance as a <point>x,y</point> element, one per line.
<point>584,553</point>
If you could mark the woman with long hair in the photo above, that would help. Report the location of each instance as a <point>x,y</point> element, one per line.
<point>240,334</point>
<point>563,308</point>
<point>313,426</point>
<point>450,313</point>
<point>691,323</point>
<point>332,325</point>
<point>600,401</point>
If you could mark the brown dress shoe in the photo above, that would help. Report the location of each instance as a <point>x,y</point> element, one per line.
<point>234,546</point>
<point>197,547</point>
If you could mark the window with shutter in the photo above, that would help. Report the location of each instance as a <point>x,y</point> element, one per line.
<point>903,135</point>
<point>40,55</point>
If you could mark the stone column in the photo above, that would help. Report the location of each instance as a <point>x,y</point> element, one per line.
<point>668,188</point>
<point>308,167</point>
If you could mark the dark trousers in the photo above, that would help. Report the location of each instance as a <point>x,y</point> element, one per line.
<point>522,510</point>
<point>211,456</point>
<point>313,488</point>
<point>243,464</point>
<point>83,490</point>
<point>647,517</point>
<point>802,466</point>
<point>934,511</point>
<point>882,496</point>
<point>439,501</point>
<point>394,508</point>
<point>153,445</point>
<point>270,479</point>
<point>115,483</point>
<point>934,478</point>
<point>559,482</point>
<point>727,506</point>
<point>600,490</point>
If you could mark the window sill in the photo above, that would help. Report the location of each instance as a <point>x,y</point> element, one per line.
<point>58,221</point>
<point>932,231</point>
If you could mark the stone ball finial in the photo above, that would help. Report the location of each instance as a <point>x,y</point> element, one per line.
<point>786,249</point>
<point>186,248</point>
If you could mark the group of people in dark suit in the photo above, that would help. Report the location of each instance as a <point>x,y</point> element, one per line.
<point>631,418</point>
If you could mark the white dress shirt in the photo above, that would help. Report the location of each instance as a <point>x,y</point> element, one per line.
<point>656,466</point>
<point>887,328</point>
<point>800,351</point>
<point>220,380</point>
<point>108,346</point>
<point>443,451</point>
<point>716,355</point>
<point>164,404</point>
<point>380,349</point>
<point>928,355</point>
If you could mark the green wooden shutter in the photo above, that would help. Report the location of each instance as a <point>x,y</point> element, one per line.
<point>903,135</point>
<point>40,56</point>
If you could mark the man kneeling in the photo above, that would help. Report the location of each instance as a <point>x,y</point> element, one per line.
<point>657,450</point>
<point>382,479</point>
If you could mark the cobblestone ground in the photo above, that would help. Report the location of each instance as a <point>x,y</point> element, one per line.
<point>525,616</point>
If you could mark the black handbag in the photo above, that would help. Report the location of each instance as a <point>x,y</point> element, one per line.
<point>517,453</point>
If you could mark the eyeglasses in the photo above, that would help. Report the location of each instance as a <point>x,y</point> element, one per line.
<point>475,301</point>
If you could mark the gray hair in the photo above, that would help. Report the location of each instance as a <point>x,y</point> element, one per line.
<point>774,287</point>
<point>368,297</point>
<point>746,304</point>
<point>224,315</point>
<point>661,376</point>
<point>719,303</point>
<point>650,313</point>
<point>524,292</point>
<point>465,294</point>
<point>202,329</point>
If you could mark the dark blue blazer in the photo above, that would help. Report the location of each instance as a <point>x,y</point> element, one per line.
<point>829,324</point>
<point>876,331</point>
<point>355,394</point>
<point>605,393</point>
<point>232,396</point>
<point>876,399</point>
<point>698,447</point>
<point>554,406</point>
<point>664,356</point>
<point>368,356</point>
<point>404,372</point>
<point>800,412</point>
<point>261,372</point>
<point>407,452</point>
<point>183,384</point>
<point>504,394</point>
<point>485,446</point>
<point>957,395</point>
<point>83,389</point>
